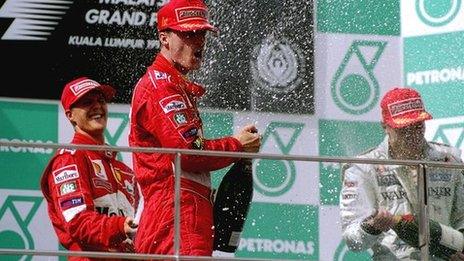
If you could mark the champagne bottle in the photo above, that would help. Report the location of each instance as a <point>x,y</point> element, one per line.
<point>444,240</point>
<point>233,199</point>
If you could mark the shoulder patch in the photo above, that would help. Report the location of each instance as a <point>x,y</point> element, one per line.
<point>71,206</point>
<point>173,103</point>
<point>160,75</point>
<point>99,169</point>
<point>103,184</point>
<point>68,187</point>
<point>190,133</point>
<point>71,202</point>
<point>65,173</point>
<point>70,151</point>
<point>179,119</point>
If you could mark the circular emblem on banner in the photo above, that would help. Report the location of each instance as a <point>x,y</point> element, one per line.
<point>274,177</point>
<point>355,94</point>
<point>437,12</point>
<point>354,86</point>
<point>277,64</point>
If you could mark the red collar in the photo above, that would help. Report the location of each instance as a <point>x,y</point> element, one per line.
<point>84,139</point>
<point>163,65</point>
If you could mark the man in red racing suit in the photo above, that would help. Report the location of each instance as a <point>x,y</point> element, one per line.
<point>164,114</point>
<point>90,194</point>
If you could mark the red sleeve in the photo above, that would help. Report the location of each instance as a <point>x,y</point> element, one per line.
<point>177,124</point>
<point>69,192</point>
<point>194,163</point>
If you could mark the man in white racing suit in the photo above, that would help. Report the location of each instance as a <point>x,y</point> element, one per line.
<point>372,195</point>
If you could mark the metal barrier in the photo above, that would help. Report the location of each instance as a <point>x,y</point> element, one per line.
<point>422,192</point>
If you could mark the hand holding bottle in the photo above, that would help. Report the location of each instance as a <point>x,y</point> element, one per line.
<point>249,138</point>
<point>380,221</point>
<point>445,242</point>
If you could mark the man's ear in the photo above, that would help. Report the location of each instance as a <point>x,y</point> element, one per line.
<point>69,116</point>
<point>164,39</point>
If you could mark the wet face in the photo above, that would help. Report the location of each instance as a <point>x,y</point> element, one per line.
<point>408,141</point>
<point>184,49</point>
<point>89,114</point>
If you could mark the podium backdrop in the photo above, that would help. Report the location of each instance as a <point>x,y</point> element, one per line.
<point>361,50</point>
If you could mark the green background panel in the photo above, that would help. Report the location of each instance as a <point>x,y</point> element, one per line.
<point>437,52</point>
<point>342,138</point>
<point>376,17</point>
<point>217,125</point>
<point>26,122</point>
<point>281,231</point>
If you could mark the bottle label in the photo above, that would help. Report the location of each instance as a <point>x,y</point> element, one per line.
<point>235,238</point>
<point>451,238</point>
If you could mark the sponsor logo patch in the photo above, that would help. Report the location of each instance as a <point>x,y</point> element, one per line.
<point>81,86</point>
<point>439,176</point>
<point>405,106</point>
<point>180,119</point>
<point>99,169</point>
<point>350,184</point>
<point>68,187</point>
<point>192,132</point>
<point>198,144</point>
<point>71,202</point>
<point>349,196</point>
<point>438,192</point>
<point>173,103</point>
<point>99,183</point>
<point>190,13</point>
<point>65,173</point>
<point>394,195</point>
<point>160,75</point>
<point>387,180</point>
<point>129,187</point>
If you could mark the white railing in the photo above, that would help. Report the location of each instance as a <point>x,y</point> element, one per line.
<point>422,189</point>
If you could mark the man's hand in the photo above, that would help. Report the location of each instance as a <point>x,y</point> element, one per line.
<point>130,227</point>
<point>249,138</point>
<point>381,220</point>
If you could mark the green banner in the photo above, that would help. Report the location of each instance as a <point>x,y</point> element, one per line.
<point>434,65</point>
<point>359,17</point>
<point>26,122</point>
<point>342,138</point>
<point>281,231</point>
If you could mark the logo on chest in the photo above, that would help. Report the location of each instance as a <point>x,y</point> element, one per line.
<point>387,180</point>
<point>173,103</point>
<point>99,169</point>
<point>394,195</point>
<point>438,192</point>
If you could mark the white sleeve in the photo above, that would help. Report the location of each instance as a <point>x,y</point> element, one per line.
<point>357,201</point>
<point>457,211</point>
<point>138,214</point>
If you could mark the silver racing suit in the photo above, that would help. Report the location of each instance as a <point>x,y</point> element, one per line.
<point>366,187</point>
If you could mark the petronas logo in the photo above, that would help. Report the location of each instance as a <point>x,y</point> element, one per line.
<point>117,122</point>
<point>437,12</point>
<point>354,87</point>
<point>277,65</point>
<point>15,215</point>
<point>275,177</point>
